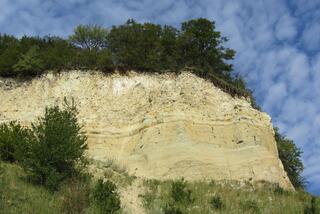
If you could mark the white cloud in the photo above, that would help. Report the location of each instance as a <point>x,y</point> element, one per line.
<point>285,28</point>
<point>310,37</point>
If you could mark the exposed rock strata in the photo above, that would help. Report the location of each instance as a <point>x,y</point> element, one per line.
<point>158,126</point>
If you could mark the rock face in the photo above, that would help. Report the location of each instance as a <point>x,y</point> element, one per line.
<point>158,126</point>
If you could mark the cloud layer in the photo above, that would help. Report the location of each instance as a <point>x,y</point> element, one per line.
<point>277,42</point>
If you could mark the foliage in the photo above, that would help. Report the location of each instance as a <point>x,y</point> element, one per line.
<point>144,47</point>
<point>19,196</point>
<point>171,209</point>
<point>312,208</point>
<point>13,138</point>
<point>57,148</point>
<point>92,37</point>
<point>236,198</point>
<point>29,63</point>
<point>216,202</point>
<point>202,48</point>
<point>180,192</point>
<point>105,197</point>
<point>250,206</point>
<point>76,195</point>
<point>290,156</point>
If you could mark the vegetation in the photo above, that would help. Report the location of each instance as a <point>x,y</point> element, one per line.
<point>13,137</point>
<point>180,193</point>
<point>51,152</point>
<point>290,156</point>
<point>105,197</point>
<point>57,147</point>
<point>224,197</point>
<point>147,47</point>
<point>216,202</point>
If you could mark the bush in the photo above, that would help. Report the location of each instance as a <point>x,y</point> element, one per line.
<point>290,156</point>
<point>105,197</point>
<point>180,193</point>
<point>76,196</point>
<point>171,209</point>
<point>250,206</point>
<point>312,208</point>
<point>278,190</point>
<point>57,148</point>
<point>216,202</point>
<point>13,137</point>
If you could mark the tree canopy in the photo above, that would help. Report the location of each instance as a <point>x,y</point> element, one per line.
<point>143,47</point>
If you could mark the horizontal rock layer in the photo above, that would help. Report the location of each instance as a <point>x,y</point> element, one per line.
<point>157,126</point>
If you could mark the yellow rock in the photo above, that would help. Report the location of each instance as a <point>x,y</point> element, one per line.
<point>158,126</point>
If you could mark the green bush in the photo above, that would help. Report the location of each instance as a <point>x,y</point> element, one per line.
<point>312,207</point>
<point>290,155</point>
<point>171,209</point>
<point>216,202</point>
<point>76,195</point>
<point>180,192</point>
<point>278,190</point>
<point>13,139</point>
<point>250,206</point>
<point>57,148</point>
<point>105,197</point>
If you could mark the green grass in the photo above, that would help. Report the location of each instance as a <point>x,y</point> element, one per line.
<point>19,196</point>
<point>209,197</point>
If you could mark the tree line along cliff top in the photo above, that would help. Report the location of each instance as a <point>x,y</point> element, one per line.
<point>147,47</point>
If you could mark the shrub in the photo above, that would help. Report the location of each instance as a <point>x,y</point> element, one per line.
<point>171,209</point>
<point>76,196</point>
<point>312,208</point>
<point>105,197</point>
<point>57,150</point>
<point>13,138</point>
<point>216,202</point>
<point>180,193</point>
<point>278,190</point>
<point>290,155</point>
<point>250,206</point>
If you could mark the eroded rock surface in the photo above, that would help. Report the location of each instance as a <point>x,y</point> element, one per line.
<point>158,126</point>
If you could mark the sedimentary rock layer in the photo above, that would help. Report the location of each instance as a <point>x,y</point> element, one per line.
<point>157,126</point>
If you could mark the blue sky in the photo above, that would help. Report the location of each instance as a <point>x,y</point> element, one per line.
<point>277,44</point>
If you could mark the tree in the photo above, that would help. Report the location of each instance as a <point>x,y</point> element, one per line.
<point>29,63</point>
<point>201,47</point>
<point>136,46</point>
<point>92,37</point>
<point>169,49</point>
<point>290,156</point>
<point>58,146</point>
<point>9,54</point>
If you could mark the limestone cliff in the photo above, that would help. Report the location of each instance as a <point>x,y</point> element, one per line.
<point>158,126</point>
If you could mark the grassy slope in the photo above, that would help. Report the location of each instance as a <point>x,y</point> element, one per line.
<point>19,196</point>
<point>266,198</point>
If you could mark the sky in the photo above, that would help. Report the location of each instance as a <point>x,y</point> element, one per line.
<point>277,44</point>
